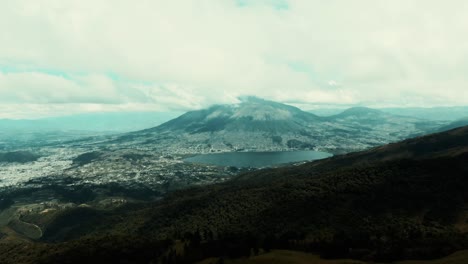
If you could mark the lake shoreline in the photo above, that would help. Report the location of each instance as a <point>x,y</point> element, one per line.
<point>257,159</point>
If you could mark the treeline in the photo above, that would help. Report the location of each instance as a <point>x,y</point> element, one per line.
<point>394,210</point>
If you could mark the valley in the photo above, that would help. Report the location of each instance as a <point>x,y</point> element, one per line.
<point>74,189</point>
<point>154,157</point>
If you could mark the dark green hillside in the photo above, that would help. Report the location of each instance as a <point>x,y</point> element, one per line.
<point>400,209</point>
<point>86,158</point>
<point>18,156</point>
<point>446,144</point>
<point>402,201</point>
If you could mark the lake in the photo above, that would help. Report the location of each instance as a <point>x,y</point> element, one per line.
<point>257,159</point>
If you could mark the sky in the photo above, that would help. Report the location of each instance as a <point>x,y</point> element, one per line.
<point>62,57</point>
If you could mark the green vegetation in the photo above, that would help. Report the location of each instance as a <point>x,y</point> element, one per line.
<point>5,203</point>
<point>281,257</point>
<point>297,144</point>
<point>134,156</point>
<point>391,211</point>
<point>94,249</point>
<point>277,139</point>
<point>28,230</point>
<point>460,257</point>
<point>18,156</point>
<point>294,257</point>
<point>87,158</point>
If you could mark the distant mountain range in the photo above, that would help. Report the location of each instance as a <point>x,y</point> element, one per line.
<point>428,113</point>
<point>434,113</point>
<point>117,122</point>
<point>253,124</point>
<point>260,125</point>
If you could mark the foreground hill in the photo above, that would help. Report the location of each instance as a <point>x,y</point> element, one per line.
<point>261,125</point>
<point>406,200</point>
<point>294,257</point>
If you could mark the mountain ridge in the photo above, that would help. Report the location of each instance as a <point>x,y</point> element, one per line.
<point>261,125</point>
<point>241,116</point>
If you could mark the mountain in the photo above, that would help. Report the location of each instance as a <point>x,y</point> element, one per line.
<point>326,111</point>
<point>426,113</point>
<point>377,120</point>
<point>458,123</point>
<point>405,200</point>
<point>431,113</point>
<point>95,122</point>
<point>251,115</point>
<point>24,133</point>
<point>360,112</point>
<point>261,125</point>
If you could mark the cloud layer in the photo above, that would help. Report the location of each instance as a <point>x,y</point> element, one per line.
<point>83,55</point>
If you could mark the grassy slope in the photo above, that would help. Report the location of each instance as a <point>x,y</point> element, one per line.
<point>284,257</point>
<point>294,257</point>
<point>460,257</point>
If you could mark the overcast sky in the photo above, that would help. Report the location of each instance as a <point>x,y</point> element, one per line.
<point>67,56</point>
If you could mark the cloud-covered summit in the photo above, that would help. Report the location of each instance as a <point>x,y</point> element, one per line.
<point>162,55</point>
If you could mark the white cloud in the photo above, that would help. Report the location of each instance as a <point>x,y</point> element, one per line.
<point>188,54</point>
<point>34,87</point>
